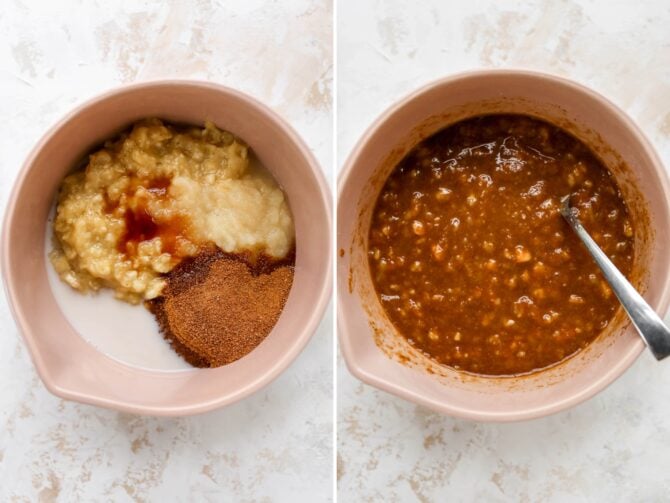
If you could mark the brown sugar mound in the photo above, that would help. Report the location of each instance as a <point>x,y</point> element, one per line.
<point>218,307</point>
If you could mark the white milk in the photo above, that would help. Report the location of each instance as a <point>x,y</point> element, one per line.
<point>120,330</point>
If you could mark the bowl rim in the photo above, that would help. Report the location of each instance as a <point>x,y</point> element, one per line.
<point>582,394</point>
<point>23,324</point>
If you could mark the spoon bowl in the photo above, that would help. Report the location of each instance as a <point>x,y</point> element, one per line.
<point>647,323</point>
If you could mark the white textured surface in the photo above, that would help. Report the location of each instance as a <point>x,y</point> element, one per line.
<point>612,448</point>
<point>274,446</point>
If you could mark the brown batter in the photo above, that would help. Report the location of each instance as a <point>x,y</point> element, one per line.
<point>471,259</point>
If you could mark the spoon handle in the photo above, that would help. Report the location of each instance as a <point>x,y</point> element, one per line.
<point>650,326</point>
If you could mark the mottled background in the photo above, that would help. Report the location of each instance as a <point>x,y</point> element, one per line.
<point>274,446</point>
<point>616,447</point>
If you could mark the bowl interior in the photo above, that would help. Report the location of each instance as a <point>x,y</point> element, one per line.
<point>70,366</point>
<point>371,344</point>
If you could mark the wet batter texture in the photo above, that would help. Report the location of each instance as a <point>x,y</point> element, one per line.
<point>471,259</point>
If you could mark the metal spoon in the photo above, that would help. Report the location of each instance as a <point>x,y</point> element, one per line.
<point>648,324</point>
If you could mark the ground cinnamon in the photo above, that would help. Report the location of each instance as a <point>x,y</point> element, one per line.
<point>217,307</point>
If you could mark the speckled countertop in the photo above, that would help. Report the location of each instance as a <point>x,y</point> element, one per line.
<point>615,447</point>
<point>274,446</point>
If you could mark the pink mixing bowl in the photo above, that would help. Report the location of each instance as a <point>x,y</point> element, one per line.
<point>378,355</point>
<point>72,368</point>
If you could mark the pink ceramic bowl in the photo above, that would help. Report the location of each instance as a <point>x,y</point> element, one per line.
<point>377,355</point>
<point>68,365</point>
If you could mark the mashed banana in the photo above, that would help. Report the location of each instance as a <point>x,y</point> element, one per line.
<point>157,195</point>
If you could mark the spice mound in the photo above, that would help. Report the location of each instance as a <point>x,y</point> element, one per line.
<point>218,307</point>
